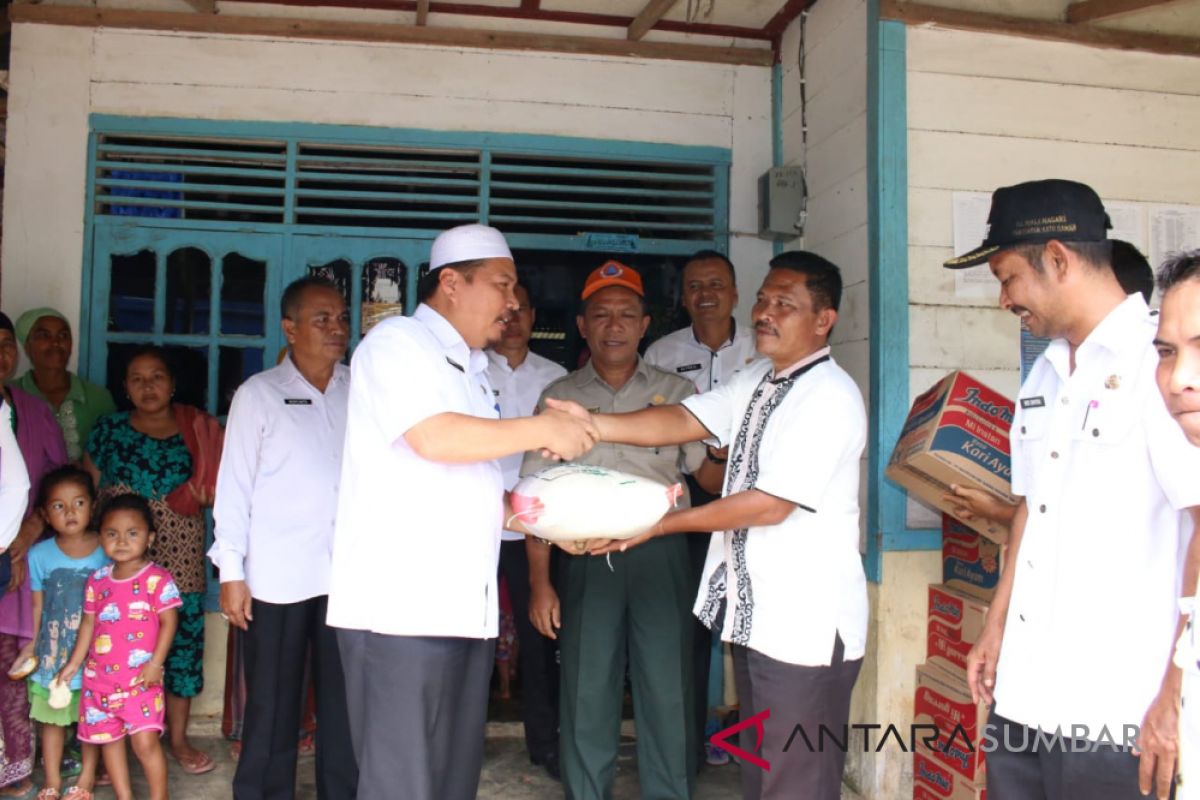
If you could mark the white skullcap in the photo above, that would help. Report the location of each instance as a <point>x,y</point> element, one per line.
<point>467,243</point>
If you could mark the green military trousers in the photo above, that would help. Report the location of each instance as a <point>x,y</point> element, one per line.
<point>640,607</point>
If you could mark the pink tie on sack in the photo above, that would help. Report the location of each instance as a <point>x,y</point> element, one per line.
<point>526,509</point>
<point>674,492</point>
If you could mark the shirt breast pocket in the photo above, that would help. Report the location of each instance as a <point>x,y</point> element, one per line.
<point>1033,428</point>
<point>1107,421</point>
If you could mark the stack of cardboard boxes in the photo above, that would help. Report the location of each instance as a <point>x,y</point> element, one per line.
<point>957,432</point>
<point>954,768</point>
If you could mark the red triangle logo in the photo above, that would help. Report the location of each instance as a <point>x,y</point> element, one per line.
<point>721,739</point>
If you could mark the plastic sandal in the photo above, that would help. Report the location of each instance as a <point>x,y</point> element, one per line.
<point>49,794</point>
<point>196,766</point>
<point>77,793</point>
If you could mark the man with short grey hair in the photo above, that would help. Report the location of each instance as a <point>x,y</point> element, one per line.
<point>275,502</point>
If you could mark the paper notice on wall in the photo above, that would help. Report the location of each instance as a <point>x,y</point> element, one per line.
<point>1128,223</point>
<point>1173,229</point>
<point>970,229</point>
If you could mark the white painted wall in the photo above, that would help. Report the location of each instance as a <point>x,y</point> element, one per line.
<point>59,75</point>
<point>834,158</point>
<point>986,111</point>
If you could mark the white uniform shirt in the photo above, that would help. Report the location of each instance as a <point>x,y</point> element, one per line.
<point>1105,473</point>
<point>14,479</point>
<point>517,392</point>
<point>682,353</point>
<point>790,588</point>
<point>277,487</point>
<point>417,542</point>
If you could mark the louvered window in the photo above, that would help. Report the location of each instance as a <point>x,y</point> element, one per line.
<point>306,182</point>
<point>191,178</point>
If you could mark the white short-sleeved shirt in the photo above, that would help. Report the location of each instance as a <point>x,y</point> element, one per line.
<point>417,542</point>
<point>277,488</point>
<point>682,353</point>
<point>14,479</point>
<point>517,392</point>
<point>790,588</point>
<point>1106,475</point>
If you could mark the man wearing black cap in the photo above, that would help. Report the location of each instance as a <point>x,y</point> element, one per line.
<point>1079,636</point>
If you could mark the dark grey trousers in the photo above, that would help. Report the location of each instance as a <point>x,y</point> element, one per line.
<point>418,712</point>
<point>795,695</point>
<point>1021,769</point>
<point>280,641</point>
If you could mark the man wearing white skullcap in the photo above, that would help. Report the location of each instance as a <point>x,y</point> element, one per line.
<point>420,509</point>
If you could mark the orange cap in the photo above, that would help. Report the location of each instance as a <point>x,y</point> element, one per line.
<point>612,273</point>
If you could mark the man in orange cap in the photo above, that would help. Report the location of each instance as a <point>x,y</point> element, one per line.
<point>639,605</point>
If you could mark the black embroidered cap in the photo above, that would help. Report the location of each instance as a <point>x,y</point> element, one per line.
<point>1036,212</point>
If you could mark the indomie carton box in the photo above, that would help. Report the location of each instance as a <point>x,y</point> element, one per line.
<point>957,432</point>
<point>944,701</point>
<point>932,781</point>
<point>955,622</point>
<point>970,563</point>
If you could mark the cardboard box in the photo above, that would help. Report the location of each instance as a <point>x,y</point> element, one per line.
<point>970,563</point>
<point>957,432</point>
<point>955,622</point>
<point>931,781</point>
<point>943,700</point>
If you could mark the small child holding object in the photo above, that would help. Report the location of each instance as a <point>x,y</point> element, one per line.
<point>129,620</point>
<point>58,570</point>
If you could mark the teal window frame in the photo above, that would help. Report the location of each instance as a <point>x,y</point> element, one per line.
<point>294,132</point>
<point>887,180</point>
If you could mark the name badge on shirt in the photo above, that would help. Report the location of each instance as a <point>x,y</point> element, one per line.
<point>1033,402</point>
<point>689,368</point>
<point>297,401</point>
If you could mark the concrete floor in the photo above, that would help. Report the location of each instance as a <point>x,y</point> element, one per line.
<point>507,773</point>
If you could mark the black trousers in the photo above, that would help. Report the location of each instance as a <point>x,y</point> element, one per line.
<point>537,661</point>
<point>702,637</point>
<point>418,713</point>
<point>279,639</point>
<point>1023,767</point>
<point>795,695</point>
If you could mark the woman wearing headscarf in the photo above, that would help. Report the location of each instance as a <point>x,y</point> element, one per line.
<point>77,403</point>
<point>36,434</point>
<point>167,452</point>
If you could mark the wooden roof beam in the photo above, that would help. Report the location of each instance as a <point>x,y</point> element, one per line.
<point>422,12</point>
<point>1093,10</point>
<point>1090,35</point>
<point>203,6</point>
<point>340,30</point>
<point>647,18</point>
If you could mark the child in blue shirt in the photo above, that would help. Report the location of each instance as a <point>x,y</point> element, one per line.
<point>58,570</point>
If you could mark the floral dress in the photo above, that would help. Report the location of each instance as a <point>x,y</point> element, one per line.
<point>131,461</point>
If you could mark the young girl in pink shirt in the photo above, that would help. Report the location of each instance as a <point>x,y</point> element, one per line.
<point>129,620</point>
